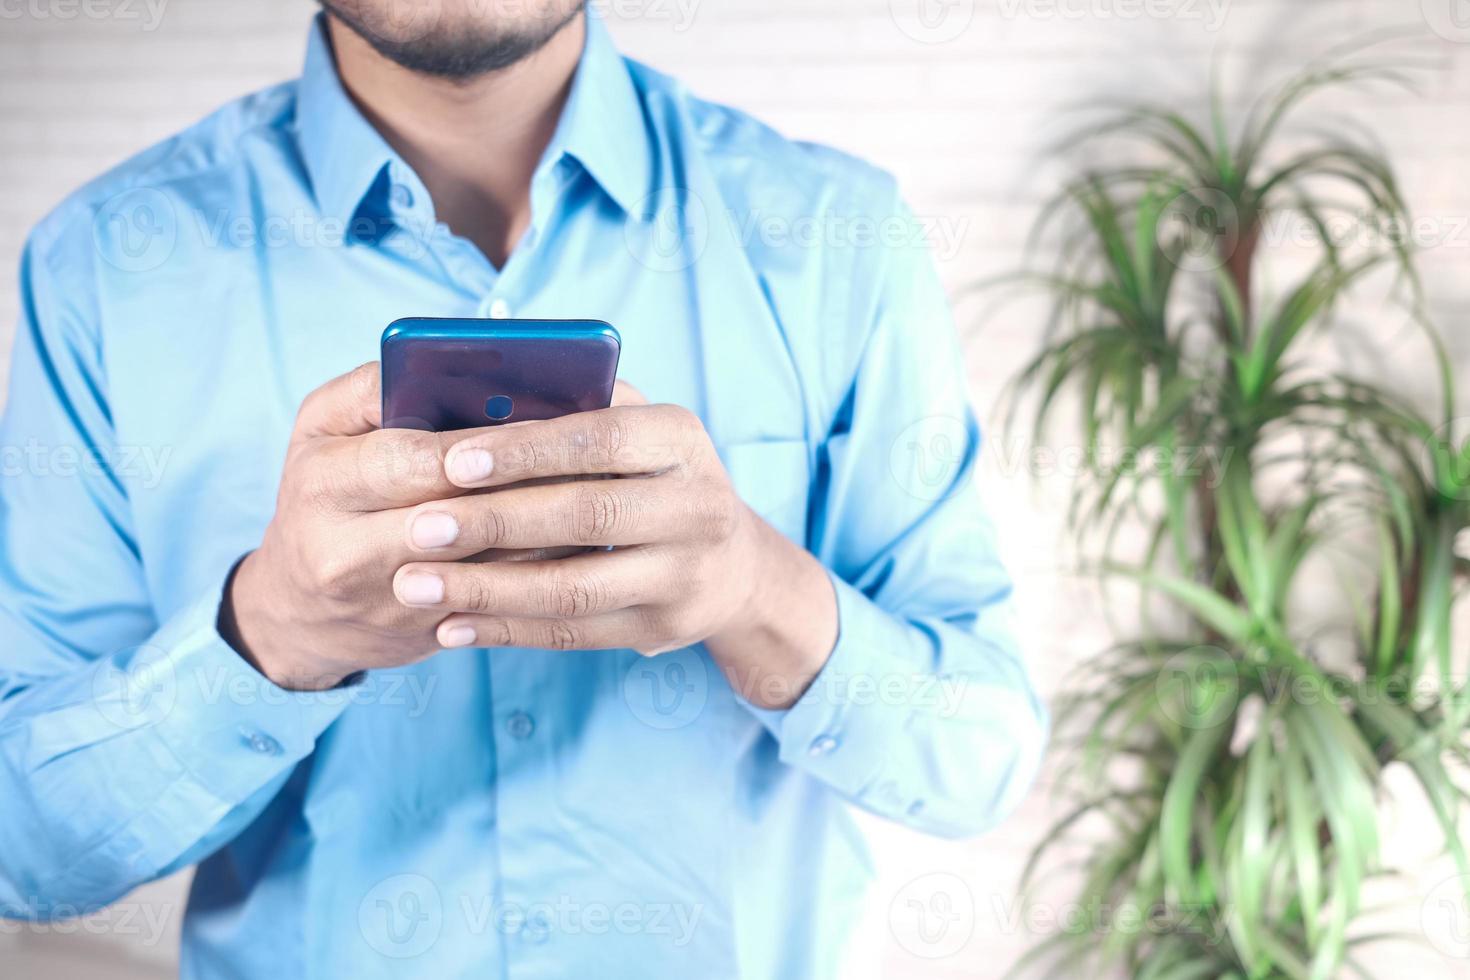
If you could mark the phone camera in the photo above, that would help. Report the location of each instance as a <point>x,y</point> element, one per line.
<point>498,408</point>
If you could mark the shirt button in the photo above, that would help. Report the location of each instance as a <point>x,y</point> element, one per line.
<point>916,808</point>
<point>260,742</point>
<point>537,928</point>
<point>500,310</point>
<point>520,725</point>
<point>401,197</point>
<point>823,745</point>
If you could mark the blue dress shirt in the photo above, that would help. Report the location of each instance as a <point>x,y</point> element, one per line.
<point>508,812</point>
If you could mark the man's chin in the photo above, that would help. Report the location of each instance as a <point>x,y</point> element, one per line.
<point>415,37</point>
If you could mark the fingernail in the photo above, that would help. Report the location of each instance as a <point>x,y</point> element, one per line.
<point>433,529</point>
<point>457,636</point>
<point>470,466</point>
<point>421,589</point>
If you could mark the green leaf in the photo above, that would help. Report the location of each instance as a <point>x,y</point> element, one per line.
<point>1204,603</point>
<point>1389,603</point>
<point>1302,818</point>
<point>1177,816</point>
<point>1249,865</point>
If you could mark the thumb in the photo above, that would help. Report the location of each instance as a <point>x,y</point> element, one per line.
<point>348,405</point>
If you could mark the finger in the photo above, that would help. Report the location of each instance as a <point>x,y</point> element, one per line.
<point>386,470</point>
<point>382,470</point>
<point>569,588</point>
<point>625,441</point>
<point>348,405</point>
<point>390,468</point>
<point>582,513</point>
<point>367,547</point>
<point>626,394</point>
<point>626,628</point>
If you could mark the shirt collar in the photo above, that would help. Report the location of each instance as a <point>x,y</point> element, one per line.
<point>344,154</point>
<point>602,127</point>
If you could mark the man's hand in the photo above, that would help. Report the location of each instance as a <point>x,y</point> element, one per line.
<point>314,603</point>
<point>689,561</point>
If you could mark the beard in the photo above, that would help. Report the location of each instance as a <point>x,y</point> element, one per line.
<point>417,34</point>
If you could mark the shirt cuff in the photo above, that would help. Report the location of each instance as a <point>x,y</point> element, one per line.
<point>228,726</point>
<point>831,731</point>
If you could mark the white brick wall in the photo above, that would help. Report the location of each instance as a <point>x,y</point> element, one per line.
<point>962,123</point>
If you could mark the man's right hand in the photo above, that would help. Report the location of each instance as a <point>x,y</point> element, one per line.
<point>315,603</point>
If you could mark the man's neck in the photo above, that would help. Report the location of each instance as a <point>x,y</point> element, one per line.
<point>474,143</point>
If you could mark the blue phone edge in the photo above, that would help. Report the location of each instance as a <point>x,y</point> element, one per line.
<point>441,328</point>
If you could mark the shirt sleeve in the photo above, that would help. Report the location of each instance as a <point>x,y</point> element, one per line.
<point>128,747</point>
<point>924,712</point>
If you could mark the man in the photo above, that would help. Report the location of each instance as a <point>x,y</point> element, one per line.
<point>399,738</point>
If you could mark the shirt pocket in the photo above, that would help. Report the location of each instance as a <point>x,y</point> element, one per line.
<point>773,476</point>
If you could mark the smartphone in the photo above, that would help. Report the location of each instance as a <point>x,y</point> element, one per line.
<point>441,375</point>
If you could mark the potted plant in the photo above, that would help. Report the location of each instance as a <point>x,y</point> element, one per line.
<point>1226,762</point>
